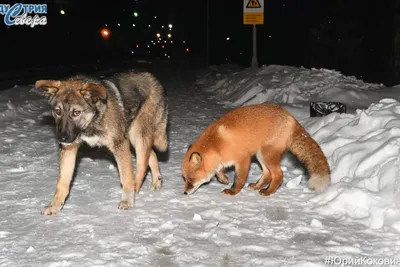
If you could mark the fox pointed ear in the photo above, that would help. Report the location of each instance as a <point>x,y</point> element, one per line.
<point>47,88</point>
<point>195,158</point>
<point>189,146</point>
<point>93,93</point>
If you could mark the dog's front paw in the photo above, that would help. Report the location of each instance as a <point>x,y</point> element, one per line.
<point>156,184</point>
<point>51,210</point>
<point>125,205</point>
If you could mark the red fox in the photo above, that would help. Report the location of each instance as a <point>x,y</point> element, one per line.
<point>263,130</point>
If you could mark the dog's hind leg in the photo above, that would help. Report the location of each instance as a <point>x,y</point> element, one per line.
<point>123,156</point>
<point>156,181</point>
<point>143,151</point>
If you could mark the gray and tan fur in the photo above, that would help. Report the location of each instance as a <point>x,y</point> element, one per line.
<point>129,108</point>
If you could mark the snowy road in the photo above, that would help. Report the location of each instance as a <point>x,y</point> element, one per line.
<point>166,228</point>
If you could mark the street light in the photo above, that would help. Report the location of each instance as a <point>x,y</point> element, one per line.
<point>105,33</point>
<point>158,35</point>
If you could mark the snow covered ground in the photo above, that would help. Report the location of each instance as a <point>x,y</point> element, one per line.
<point>359,214</point>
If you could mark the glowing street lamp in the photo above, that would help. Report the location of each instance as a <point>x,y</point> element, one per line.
<point>135,14</point>
<point>105,33</point>
<point>62,12</point>
<point>170,26</point>
<point>158,35</point>
<point>169,35</point>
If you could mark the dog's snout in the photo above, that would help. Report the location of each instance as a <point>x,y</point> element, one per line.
<point>64,138</point>
<point>185,193</point>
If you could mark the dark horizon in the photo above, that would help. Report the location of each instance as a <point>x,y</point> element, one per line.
<point>356,38</point>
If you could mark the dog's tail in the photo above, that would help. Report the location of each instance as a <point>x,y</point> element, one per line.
<point>154,109</point>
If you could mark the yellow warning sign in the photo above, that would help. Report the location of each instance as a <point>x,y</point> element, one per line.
<point>253,12</point>
<point>253,18</point>
<point>253,4</point>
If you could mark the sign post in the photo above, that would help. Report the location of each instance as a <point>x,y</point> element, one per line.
<point>253,14</point>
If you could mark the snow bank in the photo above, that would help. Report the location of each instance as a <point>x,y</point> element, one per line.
<point>363,151</point>
<point>286,84</point>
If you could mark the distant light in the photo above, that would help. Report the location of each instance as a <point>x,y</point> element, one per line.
<point>132,52</point>
<point>148,46</point>
<point>162,46</point>
<point>170,26</point>
<point>135,14</point>
<point>149,25</point>
<point>187,49</point>
<point>270,36</point>
<point>134,25</point>
<point>165,42</point>
<point>169,35</point>
<point>137,46</point>
<point>158,35</point>
<point>172,42</point>
<point>162,26</point>
<point>62,12</point>
<point>228,38</point>
<point>105,33</point>
<point>155,17</point>
<point>119,24</point>
<point>184,42</point>
<point>168,56</point>
<point>159,39</point>
<point>105,25</point>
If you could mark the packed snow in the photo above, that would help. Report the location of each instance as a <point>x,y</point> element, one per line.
<point>357,216</point>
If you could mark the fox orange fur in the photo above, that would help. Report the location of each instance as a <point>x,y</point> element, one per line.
<point>264,130</point>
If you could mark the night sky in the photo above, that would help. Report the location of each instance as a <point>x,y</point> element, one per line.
<point>355,37</point>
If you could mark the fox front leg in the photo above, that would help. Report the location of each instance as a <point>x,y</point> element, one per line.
<point>221,177</point>
<point>242,170</point>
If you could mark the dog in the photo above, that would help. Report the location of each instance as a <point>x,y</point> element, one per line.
<point>129,108</point>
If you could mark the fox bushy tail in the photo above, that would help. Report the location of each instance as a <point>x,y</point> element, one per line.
<point>307,150</point>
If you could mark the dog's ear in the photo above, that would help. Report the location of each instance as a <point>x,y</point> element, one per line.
<point>195,159</point>
<point>47,88</point>
<point>93,93</point>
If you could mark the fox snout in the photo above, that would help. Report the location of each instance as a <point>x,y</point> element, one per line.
<point>188,188</point>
